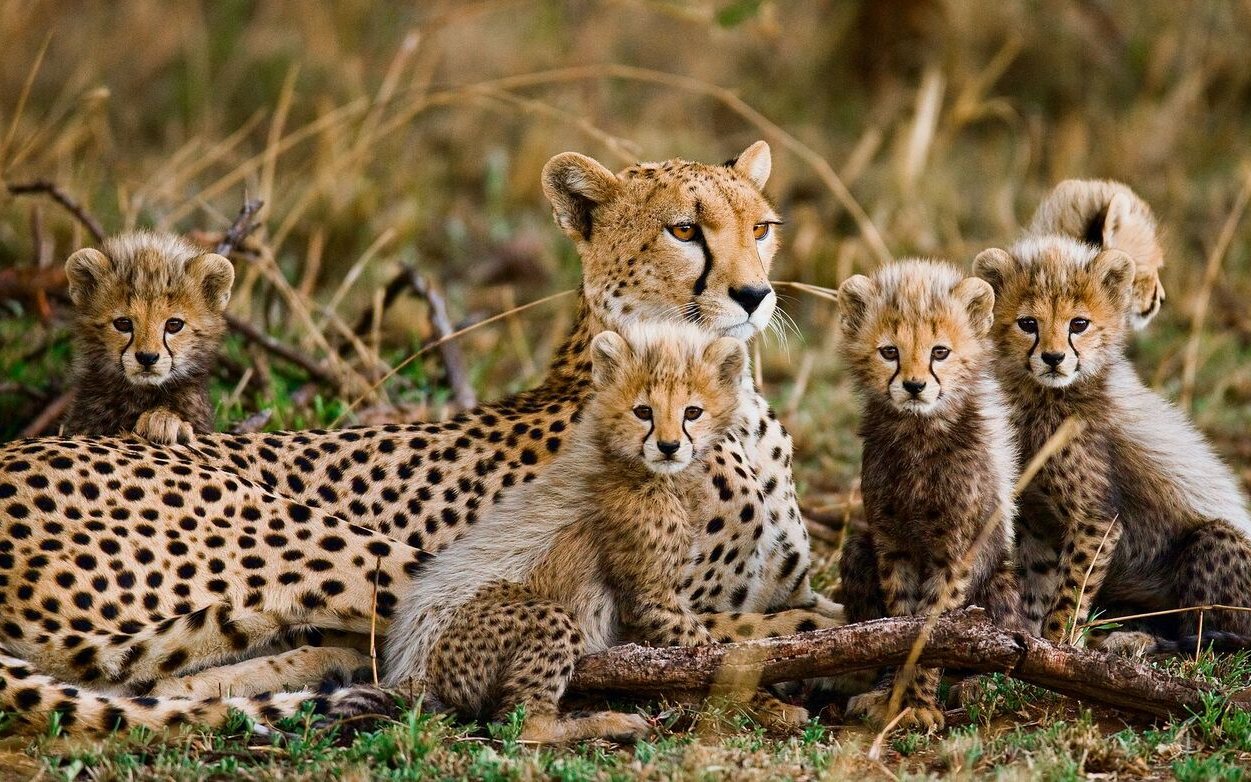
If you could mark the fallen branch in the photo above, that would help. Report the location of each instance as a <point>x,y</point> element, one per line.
<point>50,415</point>
<point>253,423</point>
<point>963,640</point>
<point>449,350</point>
<point>240,228</point>
<point>256,336</point>
<point>54,191</point>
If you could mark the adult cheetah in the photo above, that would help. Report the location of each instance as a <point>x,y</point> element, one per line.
<point>133,568</point>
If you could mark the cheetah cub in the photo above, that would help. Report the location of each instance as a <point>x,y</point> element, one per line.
<point>939,459</point>
<point>149,317</point>
<point>1111,216</point>
<point>1137,511</point>
<point>587,555</point>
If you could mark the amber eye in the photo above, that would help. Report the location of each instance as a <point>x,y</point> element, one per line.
<point>1028,325</point>
<point>1078,325</point>
<point>643,413</point>
<point>940,352</point>
<point>683,232</point>
<point>123,325</point>
<point>760,230</point>
<point>693,412</point>
<point>890,352</point>
<point>173,326</point>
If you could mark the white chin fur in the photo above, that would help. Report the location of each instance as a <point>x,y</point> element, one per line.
<point>1052,380</point>
<point>915,406</point>
<point>667,467</point>
<point>147,378</point>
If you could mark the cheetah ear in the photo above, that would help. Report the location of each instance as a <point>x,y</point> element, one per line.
<point>994,266</point>
<point>576,184</point>
<point>215,275</point>
<point>853,301</point>
<point>979,299</point>
<point>729,356</point>
<point>84,269</point>
<point>609,352</point>
<point>1115,272</point>
<point>755,163</point>
<point>1116,218</point>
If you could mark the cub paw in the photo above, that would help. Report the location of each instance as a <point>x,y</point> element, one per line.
<point>626,728</point>
<point>1128,643</point>
<point>364,704</point>
<point>163,427</point>
<point>776,714</point>
<point>874,708</point>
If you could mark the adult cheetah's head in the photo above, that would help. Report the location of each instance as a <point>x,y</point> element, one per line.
<point>1061,309</point>
<point>671,241</point>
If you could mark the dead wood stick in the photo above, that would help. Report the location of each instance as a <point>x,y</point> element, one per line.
<point>50,415</point>
<point>963,640</point>
<point>254,422</point>
<point>449,350</point>
<point>240,228</point>
<point>256,336</point>
<point>54,191</point>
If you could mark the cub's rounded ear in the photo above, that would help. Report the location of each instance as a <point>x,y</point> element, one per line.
<point>995,266</point>
<point>979,300</point>
<point>729,356</point>
<point>576,184</point>
<point>215,276</point>
<point>1114,271</point>
<point>755,163</point>
<point>609,352</point>
<point>853,301</point>
<point>84,269</point>
<point>1118,215</point>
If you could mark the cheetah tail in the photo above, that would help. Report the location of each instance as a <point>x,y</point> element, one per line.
<point>38,701</point>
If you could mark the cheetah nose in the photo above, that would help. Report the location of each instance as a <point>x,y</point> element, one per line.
<point>1052,359</point>
<point>750,296</point>
<point>914,387</point>
<point>147,359</point>
<point>668,448</point>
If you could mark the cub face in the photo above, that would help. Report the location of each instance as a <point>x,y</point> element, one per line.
<point>664,395</point>
<point>148,308</point>
<point>674,241</point>
<point>914,334</point>
<point>1061,309</point>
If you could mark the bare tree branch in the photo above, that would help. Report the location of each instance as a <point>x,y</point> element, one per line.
<point>55,192</point>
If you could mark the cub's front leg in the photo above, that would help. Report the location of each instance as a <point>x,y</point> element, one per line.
<point>661,619</point>
<point>163,426</point>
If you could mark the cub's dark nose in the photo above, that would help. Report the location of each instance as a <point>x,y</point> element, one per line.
<point>668,448</point>
<point>1052,360</point>
<point>147,359</point>
<point>914,387</point>
<point>750,296</point>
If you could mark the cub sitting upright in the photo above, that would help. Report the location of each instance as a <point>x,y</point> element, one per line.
<point>939,460</point>
<point>149,316</point>
<point>587,555</point>
<point>1137,510</point>
<point>1109,215</point>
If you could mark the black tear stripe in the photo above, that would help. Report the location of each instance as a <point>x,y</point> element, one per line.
<point>121,357</point>
<point>937,382</point>
<point>1094,230</point>
<point>702,283</point>
<point>651,427</point>
<point>898,369</point>
<point>1078,366</point>
<point>1037,336</point>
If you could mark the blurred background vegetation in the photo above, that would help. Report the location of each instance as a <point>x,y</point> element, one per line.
<point>384,134</point>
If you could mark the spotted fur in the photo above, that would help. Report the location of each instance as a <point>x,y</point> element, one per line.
<point>148,320</point>
<point>1109,215</point>
<point>1137,511</point>
<point>939,459</point>
<point>229,527</point>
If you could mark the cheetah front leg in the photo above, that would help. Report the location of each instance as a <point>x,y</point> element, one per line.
<point>163,426</point>
<point>1040,579</point>
<point>1087,550</point>
<point>308,667</point>
<point>661,619</point>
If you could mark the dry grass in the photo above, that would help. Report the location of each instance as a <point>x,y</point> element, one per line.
<point>388,134</point>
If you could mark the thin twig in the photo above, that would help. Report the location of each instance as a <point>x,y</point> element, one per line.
<point>1081,593</point>
<point>54,191</point>
<point>453,359</point>
<point>258,337</point>
<point>240,228</point>
<point>253,423</point>
<point>1106,620</point>
<point>373,624</point>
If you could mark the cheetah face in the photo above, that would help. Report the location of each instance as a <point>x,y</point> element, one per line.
<point>665,394</point>
<point>1062,310</point>
<point>150,318</point>
<point>914,333</point>
<point>673,241</point>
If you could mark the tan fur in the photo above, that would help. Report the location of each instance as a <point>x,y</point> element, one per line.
<point>229,550</point>
<point>589,554</point>
<point>939,459</point>
<point>1138,509</point>
<point>1111,216</point>
<point>152,297</point>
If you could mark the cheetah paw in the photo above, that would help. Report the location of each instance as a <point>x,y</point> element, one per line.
<point>1128,643</point>
<point>362,703</point>
<point>163,427</point>
<point>874,708</point>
